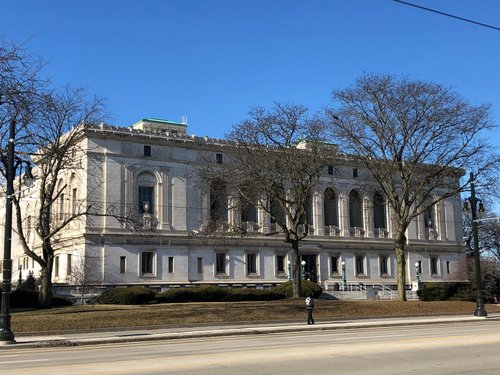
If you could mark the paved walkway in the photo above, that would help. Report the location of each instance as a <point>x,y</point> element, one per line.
<point>148,334</point>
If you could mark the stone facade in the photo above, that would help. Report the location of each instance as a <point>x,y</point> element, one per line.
<point>148,172</point>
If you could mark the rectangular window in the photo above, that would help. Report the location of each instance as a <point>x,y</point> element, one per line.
<point>147,151</point>
<point>330,169</point>
<point>56,266</point>
<point>434,265</point>
<point>73,202</point>
<point>123,264</point>
<point>360,265</point>
<point>355,172</point>
<point>170,264</point>
<point>448,270</point>
<point>384,265</point>
<point>220,263</point>
<point>61,207</point>
<point>147,259</point>
<point>251,263</point>
<point>68,265</point>
<point>200,265</point>
<point>280,264</point>
<point>334,264</point>
<point>218,158</point>
<point>146,196</point>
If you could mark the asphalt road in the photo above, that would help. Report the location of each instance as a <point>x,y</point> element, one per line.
<point>467,348</point>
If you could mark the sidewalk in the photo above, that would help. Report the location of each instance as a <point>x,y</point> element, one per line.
<point>171,333</point>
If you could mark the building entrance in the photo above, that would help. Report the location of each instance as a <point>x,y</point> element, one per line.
<point>310,268</point>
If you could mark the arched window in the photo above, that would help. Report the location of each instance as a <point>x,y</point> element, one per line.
<point>379,219</point>
<point>428,219</point>
<point>308,214</point>
<point>277,212</point>
<point>248,211</point>
<point>61,205</point>
<point>331,212</point>
<point>218,201</point>
<point>146,188</point>
<point>355,210</point>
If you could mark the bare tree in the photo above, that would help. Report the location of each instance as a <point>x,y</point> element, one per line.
<point>489,237</point>
<point>416,139</point>
<point>275,160</point>
<point>56,132</point>
<point>85,274</point>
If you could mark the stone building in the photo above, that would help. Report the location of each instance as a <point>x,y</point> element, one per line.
<point>147,172</point>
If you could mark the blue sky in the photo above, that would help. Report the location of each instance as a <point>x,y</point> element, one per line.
<point>212,60</point>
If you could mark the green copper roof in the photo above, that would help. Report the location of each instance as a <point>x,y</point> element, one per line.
<point>161,121</point>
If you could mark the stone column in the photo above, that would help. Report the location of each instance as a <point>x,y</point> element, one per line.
<point>368,215</point>
<point>319,219</point>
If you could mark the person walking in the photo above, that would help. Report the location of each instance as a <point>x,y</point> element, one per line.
<point>310,308</point>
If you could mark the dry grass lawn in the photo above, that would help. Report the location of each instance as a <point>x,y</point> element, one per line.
<point>113,316</point>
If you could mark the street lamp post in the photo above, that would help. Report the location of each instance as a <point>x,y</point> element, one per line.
<point>344,281</point>
<point>6,334</point>
<point>303,270</point>
<point>476,204</point>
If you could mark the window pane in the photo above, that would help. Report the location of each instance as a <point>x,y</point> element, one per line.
<point>56,266</point>
<point>355,209</point>
<point>334,264</point>
<point>146,196</point>
<point>378,211</point>
<point>331,208</point>
<point>147,262</point>
<point>251,263</point>
<point>200,265</point>
<point>170,264</point>
<point>280,264</point>
<point>69,265</point>
<point>221,262</point>
<point>360,269</point>
<point>383,265</point>
<point>122,264</point>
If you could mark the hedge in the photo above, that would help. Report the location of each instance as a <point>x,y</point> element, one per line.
<point>446,291</point>
<point>127,296</point>
<point>307,288</point>
<point>28,299</point>
<point>215,294</point>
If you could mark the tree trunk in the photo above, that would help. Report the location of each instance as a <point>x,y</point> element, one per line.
<point>297,287</point>
<point>401,265</point>
<point>45,292</point>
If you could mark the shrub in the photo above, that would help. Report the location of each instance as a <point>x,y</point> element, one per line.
<point>127,296</point>
<point>195,294</point>
<point>307,288</point>
<point>30,283</point>
<point>62,301</point>
<point>215,293</point>
<point>24,298</point>
<point>253,295</point>
<point>444,292</point>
